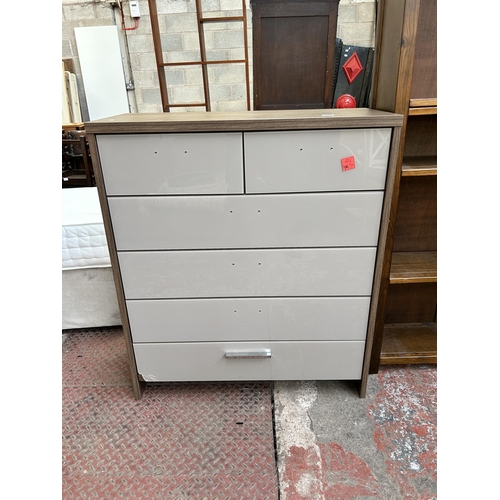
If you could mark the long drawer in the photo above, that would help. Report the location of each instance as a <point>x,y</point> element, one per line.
<point>249,361</point>
<point>206,163</point>
<point>268,221</point>
<point>216,320</point>
<point>248,273</point>
<point>311,160</point>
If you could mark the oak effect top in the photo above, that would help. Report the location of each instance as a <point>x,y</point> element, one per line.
<point>244,121</point>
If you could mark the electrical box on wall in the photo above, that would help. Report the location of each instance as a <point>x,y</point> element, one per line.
<point>134,9</point>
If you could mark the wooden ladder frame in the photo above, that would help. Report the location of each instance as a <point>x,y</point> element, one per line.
<point>161,64</point>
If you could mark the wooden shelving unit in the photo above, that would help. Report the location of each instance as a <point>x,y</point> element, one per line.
<point>405,76</point>
<point>77,168</point>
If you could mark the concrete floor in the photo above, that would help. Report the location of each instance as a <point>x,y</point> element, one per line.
<point>287,440</point>
<point>333,445</point>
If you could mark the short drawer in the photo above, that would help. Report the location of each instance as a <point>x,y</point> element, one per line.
<point>142,164</point>
<point>260,221</point>
<point>311,160</point>
<point>216,320</point>
<point>249,361</point>
<point>248,273</point>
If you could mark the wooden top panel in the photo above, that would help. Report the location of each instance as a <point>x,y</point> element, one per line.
<point>244,121</point>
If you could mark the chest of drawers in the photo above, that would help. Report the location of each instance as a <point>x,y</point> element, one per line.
<point>245,246</point>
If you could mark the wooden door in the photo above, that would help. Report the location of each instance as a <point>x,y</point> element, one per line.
<point>293,53</point>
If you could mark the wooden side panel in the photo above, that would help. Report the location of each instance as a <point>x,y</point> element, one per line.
<point>411,303</point>
<point>421,133</point>
<point>424,83</point>
<point>416,222</point>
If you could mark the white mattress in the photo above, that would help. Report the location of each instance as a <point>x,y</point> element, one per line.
<point>84,242</point>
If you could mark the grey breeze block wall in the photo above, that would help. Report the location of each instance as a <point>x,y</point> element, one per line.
<point>179,35</point>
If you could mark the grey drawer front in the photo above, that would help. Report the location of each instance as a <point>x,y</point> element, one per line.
<point>247,273</point>
<point>202,320</point>
<point>172,163</point>
<point>288,361</point>
<point>268,221</point>
<point>310,160</point>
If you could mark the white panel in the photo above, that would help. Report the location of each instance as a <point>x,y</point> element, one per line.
<point>289,360</point>
<point>247,273</point>
<point>102,71</point>
<point>310,160</point>
<point>172,163</point>
<point>336,318</point>
<point>66,112</point>
<point>272,221</point>
<point>75,100</point>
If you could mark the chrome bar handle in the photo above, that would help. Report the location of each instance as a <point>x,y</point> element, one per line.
<point>261,353</point>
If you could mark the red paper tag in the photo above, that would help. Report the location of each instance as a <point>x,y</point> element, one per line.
<point>348,163</point>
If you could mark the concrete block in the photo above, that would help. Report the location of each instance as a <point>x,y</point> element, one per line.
<point>172,6</point>
<point>230,73</point>
<point>215,26</point>
<point>209,39</point>
<point>144,8</point>
<point>193,75</point>
<point>237,54</point>
<point>79,12</point>
<point>362,34</point>
<point>162,23</point>
<point>192,109</point>
<point>171,42</point>
<point>175,76</point>
<point>182,56</point>
<point>149,108</point>
<point>217,55</point>
<point>347,14</point>
<point>180,23</point>
<point>151,96</point>
<point>214,106</point>
<point>143,61</point>
<point>232,106</point>
<point>366,12</point>
<point>220,92</point>
<point>210,6</point>
<point>190,41</point>
<point>231,5</point>
<point>104,10</point>
<point>239,91</point>
<point>187,94</point>
<point>144,79</point>
<point>140,43</point>
<point>144,26</point>
<point>228,39</point>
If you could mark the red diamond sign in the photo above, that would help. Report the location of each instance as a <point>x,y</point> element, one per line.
<point>352,68</point>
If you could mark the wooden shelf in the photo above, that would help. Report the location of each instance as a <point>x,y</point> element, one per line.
<point>423,103</point>
<point>414,343</point>
<point>422,111</point>
<point>413,267</point>
<point>419,165</point>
